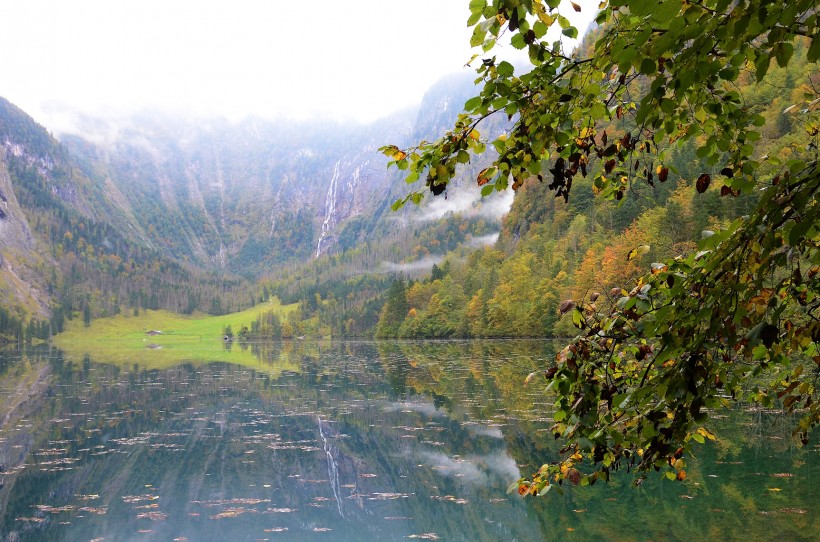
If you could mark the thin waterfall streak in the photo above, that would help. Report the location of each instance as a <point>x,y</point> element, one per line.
<point>332,468</point>
<point>330,206</point>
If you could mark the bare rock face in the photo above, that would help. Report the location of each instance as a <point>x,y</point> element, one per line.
<point>21,285</point>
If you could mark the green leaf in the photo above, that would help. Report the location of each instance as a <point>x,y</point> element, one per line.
<point>665,12</point>
<point>478,36</point>
<point>487,189</point>
<point>473,103</point>
<point>570,32</point>
<point>798,231</point>
<point>477,6</point>
<point>761,66</point>
<point>783,54</point>
<point>814,50</point>
<point>648,66</point>
<point>505,69</point>
<point>578,319</point>
<point>641,8</point>
<point>625,59</point>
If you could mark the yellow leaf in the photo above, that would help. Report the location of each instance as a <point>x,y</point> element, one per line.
<point>639,251</point>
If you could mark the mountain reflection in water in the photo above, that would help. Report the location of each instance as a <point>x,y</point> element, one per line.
<point>353,441</point>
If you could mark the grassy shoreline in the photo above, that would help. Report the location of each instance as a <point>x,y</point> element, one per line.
<point>126,340</point>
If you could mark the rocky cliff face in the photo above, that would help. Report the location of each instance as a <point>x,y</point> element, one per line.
<point>248,195</point>
<point>21,286</point>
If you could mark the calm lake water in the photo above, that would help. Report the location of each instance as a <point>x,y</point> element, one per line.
<point>351,441</point>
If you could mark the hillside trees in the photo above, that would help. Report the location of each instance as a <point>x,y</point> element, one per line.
<point>736,320</point>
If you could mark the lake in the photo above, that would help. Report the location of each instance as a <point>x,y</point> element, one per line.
<point>333,440</point>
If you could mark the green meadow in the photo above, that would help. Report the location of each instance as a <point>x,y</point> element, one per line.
<point>128,341</point>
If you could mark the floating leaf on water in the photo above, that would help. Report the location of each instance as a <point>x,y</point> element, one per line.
<point>91,510</point>
<point>234,512</point>
<point>389,496</point>
<point>153,516</point>
<point>53,509</point>
<point>130,499</point>
<point>449,498</point>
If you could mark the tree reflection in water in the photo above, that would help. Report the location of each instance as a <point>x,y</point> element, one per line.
<point>354,441</point>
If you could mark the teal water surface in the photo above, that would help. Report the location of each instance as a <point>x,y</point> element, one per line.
<point>354,441</point>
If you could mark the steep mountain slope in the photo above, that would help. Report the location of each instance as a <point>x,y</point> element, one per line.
<point>21,286</point>
<point>130,213</point>
<point>250,195</point>
<point>70,242</point>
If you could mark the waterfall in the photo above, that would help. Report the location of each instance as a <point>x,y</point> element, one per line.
<point>330,207</point>
<point>332,468</point>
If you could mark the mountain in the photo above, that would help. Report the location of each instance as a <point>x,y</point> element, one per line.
<point>151,211</point>
<point>245,196</point>
<point>70,242</point>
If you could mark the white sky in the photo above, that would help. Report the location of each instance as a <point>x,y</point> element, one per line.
<point>358,59</point>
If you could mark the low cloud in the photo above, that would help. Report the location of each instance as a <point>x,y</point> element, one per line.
<point>483,240</point>
<point>424,264</point>
<point>468,203</point>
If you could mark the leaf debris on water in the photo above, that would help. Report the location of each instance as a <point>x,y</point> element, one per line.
<point>153,516</point>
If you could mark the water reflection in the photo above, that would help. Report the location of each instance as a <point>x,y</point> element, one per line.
<point>349,441</point>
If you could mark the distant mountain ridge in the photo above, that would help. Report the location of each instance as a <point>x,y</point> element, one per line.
<point>202,196</point>
<point>245,196</point>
